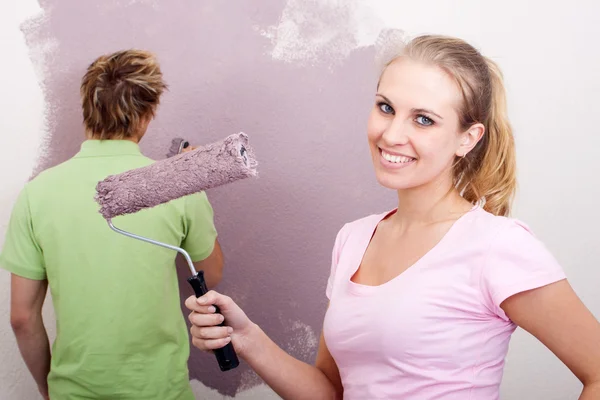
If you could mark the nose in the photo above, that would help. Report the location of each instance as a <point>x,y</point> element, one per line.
<point>397,133</point>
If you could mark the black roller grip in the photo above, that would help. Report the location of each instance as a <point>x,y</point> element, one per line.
<point>226,356</point>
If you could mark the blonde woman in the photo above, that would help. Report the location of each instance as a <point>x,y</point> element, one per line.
<point>424,298</point>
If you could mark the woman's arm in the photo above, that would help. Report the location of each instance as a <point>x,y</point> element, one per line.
<point>287,376</point>
<point>557,317</point>
<point>327,365</point>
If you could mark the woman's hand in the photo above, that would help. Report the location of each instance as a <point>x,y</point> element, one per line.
<point>206,333</point>
<point>290,378</point>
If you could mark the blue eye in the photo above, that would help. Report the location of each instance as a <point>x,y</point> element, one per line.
<point>423,120</point>
<point>385,108</point>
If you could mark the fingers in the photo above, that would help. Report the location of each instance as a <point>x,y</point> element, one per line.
<point>211,332</point>
<point>189,148</point>
<point>199,319</point>
<point>209,337</point>
<point>202,304</point>
<point>192,304</point>
<point>214,298</point>
<point>208,345</point>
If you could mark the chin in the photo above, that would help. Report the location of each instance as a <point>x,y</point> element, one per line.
<point>394,182</point>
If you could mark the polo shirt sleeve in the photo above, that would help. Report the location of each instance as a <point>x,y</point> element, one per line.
<point>516,262</point>
<point>200,231</point>
<point>21,253</point>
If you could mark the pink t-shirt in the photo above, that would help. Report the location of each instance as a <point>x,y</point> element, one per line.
<point>436,331</point>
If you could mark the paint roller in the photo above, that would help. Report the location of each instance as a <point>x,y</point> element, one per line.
<point>177,146</point>
<point>206,167</point>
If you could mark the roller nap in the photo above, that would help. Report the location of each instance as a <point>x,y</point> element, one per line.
<point>213,165</point>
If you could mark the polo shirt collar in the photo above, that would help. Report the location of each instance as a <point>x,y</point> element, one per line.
<point>107,148</point>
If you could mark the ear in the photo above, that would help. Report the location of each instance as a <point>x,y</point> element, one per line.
<point>469,139</point>
<point>143,126</point>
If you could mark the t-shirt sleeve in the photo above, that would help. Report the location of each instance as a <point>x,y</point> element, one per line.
<point>200,231</point>
<point>335,257</point>
<point>517,261</point>
<point>21,253</point>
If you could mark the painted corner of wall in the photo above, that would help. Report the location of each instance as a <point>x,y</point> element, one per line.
<point>21,144</point>
<point>22,98</point>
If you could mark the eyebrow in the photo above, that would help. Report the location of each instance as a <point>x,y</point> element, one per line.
<point>414,110</point>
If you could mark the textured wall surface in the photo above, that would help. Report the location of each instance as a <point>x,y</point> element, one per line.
<point>306,122</point>
<point>298,76</point>
<point>22,126</point>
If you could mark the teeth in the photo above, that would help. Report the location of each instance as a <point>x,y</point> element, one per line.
<point>395,159</point>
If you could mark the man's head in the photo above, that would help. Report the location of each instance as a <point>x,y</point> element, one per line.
<point>120,93</point>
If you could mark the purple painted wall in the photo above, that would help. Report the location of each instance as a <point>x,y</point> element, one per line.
<point>307,125</point>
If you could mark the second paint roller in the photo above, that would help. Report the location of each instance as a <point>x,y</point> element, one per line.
<point>195,171</point>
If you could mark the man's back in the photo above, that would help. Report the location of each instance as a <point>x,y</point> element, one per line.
<point>120,331</point>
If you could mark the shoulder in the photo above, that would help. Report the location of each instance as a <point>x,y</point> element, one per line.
<point>361,225</point>
<point>355,231</point>
<point>40,186</point>
<point>507,234</point>
<point>145,160</point>
<point>515,260</point>
<point>47,175</point>
<point>509,247</point>
<point>346,244</point>
<point>497,232</point>
<point>196,200</point>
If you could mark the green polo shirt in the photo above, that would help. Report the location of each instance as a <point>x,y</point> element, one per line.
<point>120,330</point>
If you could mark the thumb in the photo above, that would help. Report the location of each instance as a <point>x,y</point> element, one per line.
<point>234,315</point>
<point>225,303</point>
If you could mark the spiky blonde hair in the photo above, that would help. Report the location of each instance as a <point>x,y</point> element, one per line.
<point>118,91</point>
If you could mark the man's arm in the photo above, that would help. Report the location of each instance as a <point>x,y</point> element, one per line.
<point>201,238</point>
<point>27,299</point>
<point>212,266</point>
<point>23,257</point>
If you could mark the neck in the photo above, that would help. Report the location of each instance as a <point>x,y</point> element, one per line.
<point>134,139</point>
<point>430,203</point>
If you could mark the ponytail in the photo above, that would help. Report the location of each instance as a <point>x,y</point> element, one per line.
<point>494,177</point>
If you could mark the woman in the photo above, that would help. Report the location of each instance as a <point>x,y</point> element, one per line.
<point>424,298</point>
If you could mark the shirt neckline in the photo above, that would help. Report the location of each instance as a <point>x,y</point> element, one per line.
<point>362,289</point>
<point>108,148</point>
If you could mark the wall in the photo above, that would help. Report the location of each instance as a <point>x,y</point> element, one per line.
<point>21,143</point>
<point>298,76</point>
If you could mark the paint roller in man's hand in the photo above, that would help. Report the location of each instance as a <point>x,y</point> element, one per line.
<point>191,172</point>
<point>177,146</point>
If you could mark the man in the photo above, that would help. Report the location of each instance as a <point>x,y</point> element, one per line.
<point>120,330</point>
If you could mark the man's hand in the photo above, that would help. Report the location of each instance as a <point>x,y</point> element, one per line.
<point>189,148</point>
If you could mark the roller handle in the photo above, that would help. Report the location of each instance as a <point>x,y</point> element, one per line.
<point>226,356</point>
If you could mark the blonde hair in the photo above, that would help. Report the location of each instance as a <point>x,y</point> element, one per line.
<point>488,172</point>
<point>118,91</point>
